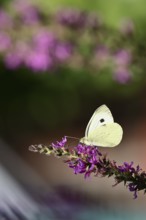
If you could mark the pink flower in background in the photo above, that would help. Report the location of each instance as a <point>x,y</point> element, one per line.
<point>12,60</point>
<point>20,5</point>
<point>72,18</point>
<point>73,39</point>
<point>122,58</point>
<point>28,12</point>
<point>5,41</point>
<point>38,61</point>
<point>31,16</point>
<point>5,20</point>
<point>122,75</point>
<point>44,41</point>
<point>121,70</point>
<point>22,48</point>
<point>62,51</point>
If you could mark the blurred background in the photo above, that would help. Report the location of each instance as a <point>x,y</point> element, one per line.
<point>59,61</point>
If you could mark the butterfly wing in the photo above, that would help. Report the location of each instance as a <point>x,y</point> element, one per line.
<point>109,135</point>
<point>101,116</point>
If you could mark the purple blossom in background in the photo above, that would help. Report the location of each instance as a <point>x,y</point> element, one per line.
<point>30,16</point>
<point>122,58</point>
<point>70,37</point>
<point>44,41</point>
<point>5,41</point>
<point>16,58</point>
<point>62,51</point>
<point>38,61</point>
<point>22,48</point>
<point>122,75</point>
<point>13,60</point>
<point>20,5</point>
<point>72,18</point>
<point>28,12</point>
<point>5,20</point>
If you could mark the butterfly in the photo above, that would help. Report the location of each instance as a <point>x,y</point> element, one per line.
<point>101,130</point>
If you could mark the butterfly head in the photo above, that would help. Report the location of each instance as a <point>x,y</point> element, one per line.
<point>86,141</point>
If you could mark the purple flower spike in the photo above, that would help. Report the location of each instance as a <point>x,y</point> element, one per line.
<point>60,144</point>
<point>88,160</point>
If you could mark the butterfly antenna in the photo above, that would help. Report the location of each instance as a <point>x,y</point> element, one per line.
<point>73,137</point>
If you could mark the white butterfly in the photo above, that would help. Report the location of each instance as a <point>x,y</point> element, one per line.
<point>101,130</point>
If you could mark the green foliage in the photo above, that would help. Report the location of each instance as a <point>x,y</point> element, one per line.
<point>34,102</point>
<point>112,11</point>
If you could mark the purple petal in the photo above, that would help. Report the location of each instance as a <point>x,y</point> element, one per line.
<point>60,144</point>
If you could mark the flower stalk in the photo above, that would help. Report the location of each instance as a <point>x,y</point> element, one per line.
<point>89,160</point>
